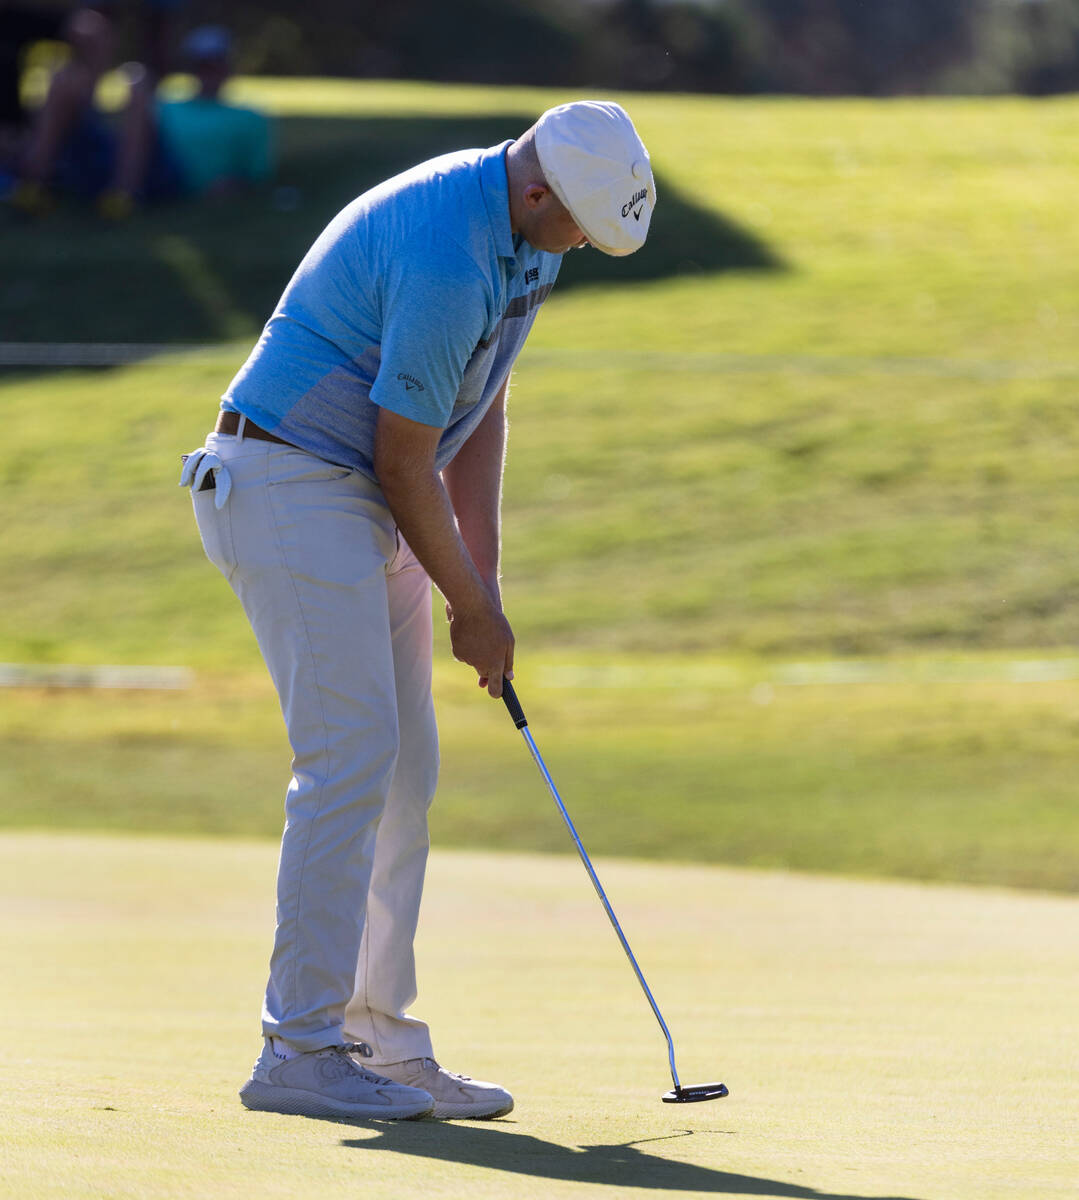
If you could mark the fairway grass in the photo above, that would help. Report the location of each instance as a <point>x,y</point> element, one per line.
<point>879,1039</point>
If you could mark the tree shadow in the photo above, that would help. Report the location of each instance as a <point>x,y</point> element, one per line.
<point>497,1148</point>
<point>206,271</point>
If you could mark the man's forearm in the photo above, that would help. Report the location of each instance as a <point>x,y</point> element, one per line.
<point>424,514</point>
<point>474,484</point>
<point>420,503</point>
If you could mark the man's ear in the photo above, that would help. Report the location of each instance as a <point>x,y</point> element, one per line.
<point>534,195</point>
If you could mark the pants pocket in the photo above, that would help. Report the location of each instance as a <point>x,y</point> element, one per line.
<point>291,467</point>
<point>215,529</point>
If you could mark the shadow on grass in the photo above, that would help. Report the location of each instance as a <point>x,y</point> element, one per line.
<point>197,272</point>
<point>498,1149</point>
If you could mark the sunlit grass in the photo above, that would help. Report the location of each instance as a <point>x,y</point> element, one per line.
<point>878,1039</point>
<point>867,450</point>
<point>952,772</point>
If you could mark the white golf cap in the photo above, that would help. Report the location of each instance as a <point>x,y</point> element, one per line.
<point>598,167</point>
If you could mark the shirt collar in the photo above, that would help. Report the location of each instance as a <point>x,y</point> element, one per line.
<point>496,195</point>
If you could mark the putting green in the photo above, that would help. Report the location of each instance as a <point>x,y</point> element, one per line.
<point>879,1039</point>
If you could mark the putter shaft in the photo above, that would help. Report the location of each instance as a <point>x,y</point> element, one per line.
<point>517,713</point>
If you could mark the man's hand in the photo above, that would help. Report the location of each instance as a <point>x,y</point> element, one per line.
<point>483,639</point>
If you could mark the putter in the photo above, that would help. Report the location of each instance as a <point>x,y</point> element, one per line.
<point>678,1094</point>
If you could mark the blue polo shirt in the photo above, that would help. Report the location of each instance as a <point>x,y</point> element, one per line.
<point>416,297</point>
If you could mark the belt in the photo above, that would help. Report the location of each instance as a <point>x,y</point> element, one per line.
<point>229,423</point>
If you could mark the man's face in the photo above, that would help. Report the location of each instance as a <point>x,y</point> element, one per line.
<point>550,226</point>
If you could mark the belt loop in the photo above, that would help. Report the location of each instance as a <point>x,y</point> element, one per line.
<point>240,428</point>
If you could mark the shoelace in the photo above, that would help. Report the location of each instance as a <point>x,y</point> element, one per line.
<point>430,1062</point>
<point>364,1051</point>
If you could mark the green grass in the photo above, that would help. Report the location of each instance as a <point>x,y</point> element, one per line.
<point>879,1039</point>
<point>684,759</point>
<point>806,514</point>
<point>856,438</point>
<point>828,412</point>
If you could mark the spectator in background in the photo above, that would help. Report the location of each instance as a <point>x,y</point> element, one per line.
<point>164,150</point>
<point>92,29</point>
<point>218,146</point>
<point>69,146</point>
<point>20,27</point>
<point>202,146</point>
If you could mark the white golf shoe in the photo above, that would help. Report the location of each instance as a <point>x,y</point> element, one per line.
<point>329,1083</point>
<point>454,1095</point>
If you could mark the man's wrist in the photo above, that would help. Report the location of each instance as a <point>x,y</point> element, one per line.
<point>491,581</point>
<point>474,598</point>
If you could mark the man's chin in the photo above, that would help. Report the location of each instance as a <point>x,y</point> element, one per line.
<point>562,249</point>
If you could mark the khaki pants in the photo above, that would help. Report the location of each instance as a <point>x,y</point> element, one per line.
<point>342,613</point>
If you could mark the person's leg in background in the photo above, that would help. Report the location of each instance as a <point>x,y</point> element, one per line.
<point>20,28</point>
<point>138,136</point>
<point>68,104</point>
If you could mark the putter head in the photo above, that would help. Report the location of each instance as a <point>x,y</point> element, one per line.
<point>690,1095</point>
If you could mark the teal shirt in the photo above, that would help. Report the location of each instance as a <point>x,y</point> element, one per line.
<point>211,141</point>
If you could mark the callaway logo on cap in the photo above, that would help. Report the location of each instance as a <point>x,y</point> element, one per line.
<point>598,167</point>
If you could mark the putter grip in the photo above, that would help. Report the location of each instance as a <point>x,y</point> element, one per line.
<point>509,697</point>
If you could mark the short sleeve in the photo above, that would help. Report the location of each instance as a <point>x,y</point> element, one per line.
<point>434,314</point>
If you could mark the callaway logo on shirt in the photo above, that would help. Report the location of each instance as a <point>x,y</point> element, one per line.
<point>410,381</point>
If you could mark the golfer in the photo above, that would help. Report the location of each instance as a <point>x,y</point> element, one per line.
<point>357,458</point>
